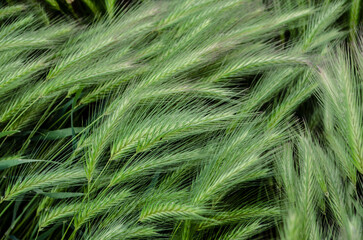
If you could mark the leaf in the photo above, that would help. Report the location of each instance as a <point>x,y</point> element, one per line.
<point>46,234</point>
<point>16,208</point>
<point>12,237</point>
<point>13,162</point>
<point>58,134</point>
<point>7,133</point>
<point>59,195</point>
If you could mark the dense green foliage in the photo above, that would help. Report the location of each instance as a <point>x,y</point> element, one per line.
<point>193,119</point>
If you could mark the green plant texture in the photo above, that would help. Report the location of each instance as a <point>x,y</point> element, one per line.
<point>181,119</point>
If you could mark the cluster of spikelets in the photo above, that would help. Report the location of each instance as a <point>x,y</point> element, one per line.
<point>193,119</point>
